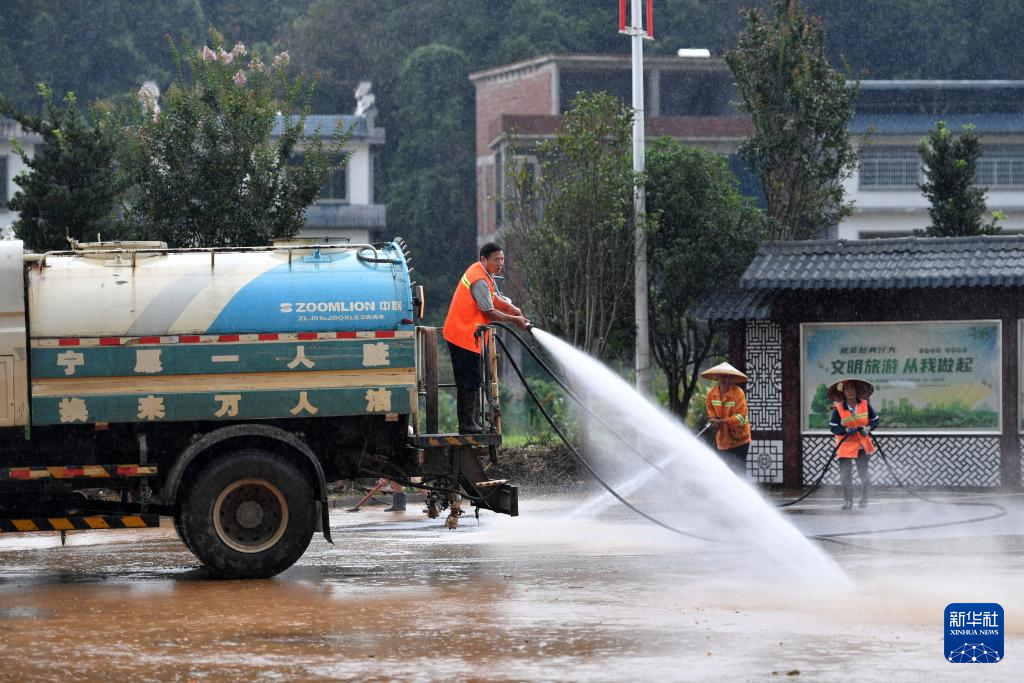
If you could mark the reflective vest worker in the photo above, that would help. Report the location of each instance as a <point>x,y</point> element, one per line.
<point>474,303</point>
<point>727,412</point>
<point>852,420</point>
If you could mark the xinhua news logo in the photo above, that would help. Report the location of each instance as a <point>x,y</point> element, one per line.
<point>974,633</point>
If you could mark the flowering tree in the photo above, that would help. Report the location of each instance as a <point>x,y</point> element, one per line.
<point>211,169</point>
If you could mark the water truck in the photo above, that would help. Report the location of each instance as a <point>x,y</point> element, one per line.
<point>223,388</point>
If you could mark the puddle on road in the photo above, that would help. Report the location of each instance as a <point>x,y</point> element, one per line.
<point>531,598</point>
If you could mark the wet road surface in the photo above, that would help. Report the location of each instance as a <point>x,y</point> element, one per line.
<point>531,598</point>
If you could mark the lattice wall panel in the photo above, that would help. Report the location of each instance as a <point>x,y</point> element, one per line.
<point>764,462</point>
<point>764,366</point>
<point>918,460</point>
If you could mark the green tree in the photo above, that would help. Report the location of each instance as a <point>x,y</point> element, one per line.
<point>820,404</point>
<point>428,201</point>
<point>801,108</point>
<point>71,187</point>
<point>208,171</point>
<point>703,234</point>
<point>570,227</point>
<point>950,169</point>
<point>96,49</point>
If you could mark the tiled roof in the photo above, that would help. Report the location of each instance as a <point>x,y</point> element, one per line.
<point>740,305</point>
<point>718,127</point>
<point>328,124</point>
<point>912,262</point>
<point>992,123</point>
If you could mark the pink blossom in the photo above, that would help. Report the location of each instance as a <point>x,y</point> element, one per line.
<point>239,49</point>
<point>156,115</point>
<point>240,78</point>
<point>255,64</point>
<point>282,60</point>
<point>225,57</point>
<point>208,54</point>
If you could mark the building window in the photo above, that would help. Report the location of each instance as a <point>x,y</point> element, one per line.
<point>3,182</point>
<point>336,185</point>
<point>1002,166</point>
<point>890,167</point>
<point>898,167</point>
<point>335,188</point>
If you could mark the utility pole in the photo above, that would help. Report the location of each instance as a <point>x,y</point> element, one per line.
<point>637,35</point>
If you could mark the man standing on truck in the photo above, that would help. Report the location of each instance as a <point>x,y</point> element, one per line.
<point>475,302</point>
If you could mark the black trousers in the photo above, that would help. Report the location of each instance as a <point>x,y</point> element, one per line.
<point>736,458</point>
<point>846,475</point>
<point>466,367</point>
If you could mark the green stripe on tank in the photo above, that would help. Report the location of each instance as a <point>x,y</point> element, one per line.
<point>242,405</point>
<point>221,358</point>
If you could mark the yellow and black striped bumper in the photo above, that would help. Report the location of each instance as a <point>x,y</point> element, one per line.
<point>79,523</point>
<point>76,472</point>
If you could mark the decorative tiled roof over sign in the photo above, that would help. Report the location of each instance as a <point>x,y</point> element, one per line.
<point>731,306</point>
<point>912,262</point>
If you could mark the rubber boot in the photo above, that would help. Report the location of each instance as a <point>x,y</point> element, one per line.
<point>466,402</point>
<point>397,502</point>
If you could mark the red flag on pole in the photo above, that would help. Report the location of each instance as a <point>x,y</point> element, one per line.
<point>622,15</point>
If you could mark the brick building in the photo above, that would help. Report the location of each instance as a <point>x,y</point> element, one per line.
<point>519,104</point>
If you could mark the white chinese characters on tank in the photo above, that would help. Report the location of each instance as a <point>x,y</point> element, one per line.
<point>151,408</point>
<point>375,355</point>
<point>300,359</point>
<point>70,360</point>
<point>378,400</point>
<point>228,404</point>
<point>148,361</point>
<point>304,405</point>
<point>73,410</point>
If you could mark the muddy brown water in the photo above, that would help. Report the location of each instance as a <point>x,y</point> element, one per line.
<point>533,598</point>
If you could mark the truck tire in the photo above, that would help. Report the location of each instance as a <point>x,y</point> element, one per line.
<point>248,515</point>
<point>181,531</point>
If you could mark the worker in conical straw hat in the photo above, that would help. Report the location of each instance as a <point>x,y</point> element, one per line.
<point>852,420</point>
<point>727,412</point>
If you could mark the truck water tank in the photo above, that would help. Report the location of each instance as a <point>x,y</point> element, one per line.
<point>160,293</point>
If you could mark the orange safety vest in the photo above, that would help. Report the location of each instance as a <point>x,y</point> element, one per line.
<point>858,417</point>
<point>731,407</point>
<point>464,315</point>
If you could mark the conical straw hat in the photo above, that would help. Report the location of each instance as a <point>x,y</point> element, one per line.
<point>865,388</point>
<point>724,371</point>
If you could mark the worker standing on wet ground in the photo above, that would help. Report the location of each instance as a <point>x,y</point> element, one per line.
<point>727,413</point>
<point>852,420</point>
<point>474,303</point>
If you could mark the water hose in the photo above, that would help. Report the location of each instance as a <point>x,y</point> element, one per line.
<point>831,538</point>
<point>582,460</point>
<point>571,394</point>
<point>824,470</point>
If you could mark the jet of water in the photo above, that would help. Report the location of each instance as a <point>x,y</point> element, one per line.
<point>632,435</point>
